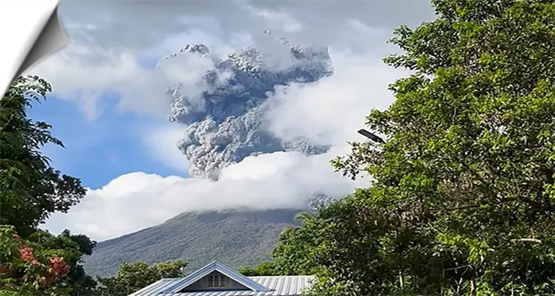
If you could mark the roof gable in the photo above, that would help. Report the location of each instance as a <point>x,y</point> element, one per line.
<point>209,268</point>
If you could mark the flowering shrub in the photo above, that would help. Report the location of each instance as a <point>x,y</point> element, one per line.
<point>29,268</point>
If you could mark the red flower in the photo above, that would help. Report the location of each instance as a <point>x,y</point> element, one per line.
<point>27,254</point>
<point>59,267</point>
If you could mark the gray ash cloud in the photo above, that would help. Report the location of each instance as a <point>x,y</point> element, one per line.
<point>226,124</point>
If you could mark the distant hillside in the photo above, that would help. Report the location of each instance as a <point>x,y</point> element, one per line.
<point>235,238</point>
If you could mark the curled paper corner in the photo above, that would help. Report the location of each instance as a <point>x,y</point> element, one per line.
<point>51,39</point>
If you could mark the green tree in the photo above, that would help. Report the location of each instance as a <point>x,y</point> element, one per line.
<point>33,267</point>
<point>81,284</point>
<point>135,276</point>
<point>262,269</point>
<point>462,197</point>
<point>30,189</point>
<point>25,264</point>
<point>292,255</point>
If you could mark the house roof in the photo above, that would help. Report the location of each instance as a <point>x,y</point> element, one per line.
<point>211,267</point>
<point>258,286</point>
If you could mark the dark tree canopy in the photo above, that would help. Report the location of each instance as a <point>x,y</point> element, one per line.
<point>462,197</point>
<point>30,189</point>
<point>296,245</point>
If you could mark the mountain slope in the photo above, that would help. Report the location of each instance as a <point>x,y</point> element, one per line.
<point>235,238</point>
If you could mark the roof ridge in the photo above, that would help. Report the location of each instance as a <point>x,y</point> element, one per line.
<point>210,267</point>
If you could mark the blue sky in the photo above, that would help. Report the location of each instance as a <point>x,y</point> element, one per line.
<point>99,150</point>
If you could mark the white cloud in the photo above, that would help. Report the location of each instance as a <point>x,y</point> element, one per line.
<point>84,74</point>
<point>161,142</point>
<point>138,200</point>
<point>332,110</point>
<point>279,19</point>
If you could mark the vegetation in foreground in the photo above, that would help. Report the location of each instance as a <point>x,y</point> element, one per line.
<point>463,197</point>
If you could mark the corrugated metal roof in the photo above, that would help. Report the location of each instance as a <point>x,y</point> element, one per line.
<point>276,286</point>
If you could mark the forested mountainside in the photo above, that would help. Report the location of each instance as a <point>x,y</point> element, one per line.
<point>235,238</point>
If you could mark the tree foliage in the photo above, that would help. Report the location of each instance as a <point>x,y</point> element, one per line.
<point>295,247</point>
<point>81,284</point>
<point>262,269</point>
<point>296,244</point>
<point>44,263</point>
<point>39,265</point>
<point>30,188</point>
<point>135,276</point>
<point>462,197</point>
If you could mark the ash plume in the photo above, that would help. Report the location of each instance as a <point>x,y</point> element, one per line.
<point>224,123</point>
